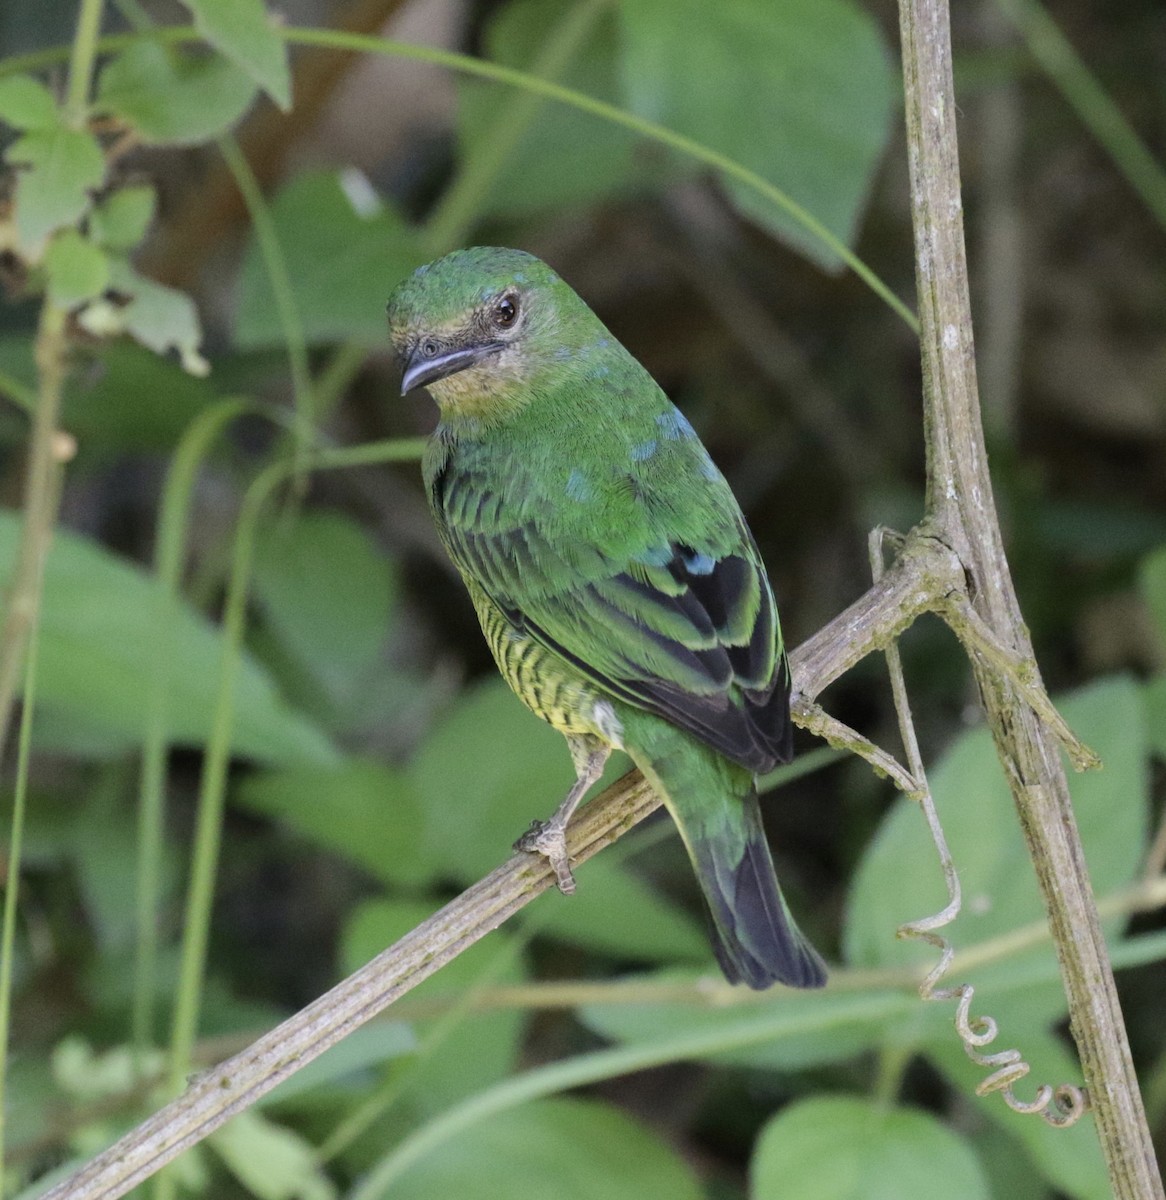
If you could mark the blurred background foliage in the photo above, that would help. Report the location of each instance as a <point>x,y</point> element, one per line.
<point>223,226</point>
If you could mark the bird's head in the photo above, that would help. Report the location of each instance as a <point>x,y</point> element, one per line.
<point>478,326</point>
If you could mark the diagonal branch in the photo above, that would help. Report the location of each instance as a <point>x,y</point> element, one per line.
<point>921,579</point>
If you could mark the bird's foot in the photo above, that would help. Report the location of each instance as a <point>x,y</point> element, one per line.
<point>549,838</point>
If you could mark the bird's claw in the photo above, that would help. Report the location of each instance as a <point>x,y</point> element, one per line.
<point>550,840</point>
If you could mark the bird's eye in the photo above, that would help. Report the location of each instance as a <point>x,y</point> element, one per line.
<point>429,348</point>
<point>506,312</point>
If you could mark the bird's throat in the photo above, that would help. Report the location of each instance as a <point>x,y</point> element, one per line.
<point>477,398</point>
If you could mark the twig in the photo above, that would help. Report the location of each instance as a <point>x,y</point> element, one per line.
<point>960,503</point>
<point>232,1086</point>
<point>1062,1106</point>
<point>920,579</point>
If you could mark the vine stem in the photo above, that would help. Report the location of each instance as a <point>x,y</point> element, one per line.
<point>962,510</point>
<point>46,452</point>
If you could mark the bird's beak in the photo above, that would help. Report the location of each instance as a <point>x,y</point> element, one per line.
<point>420,370</point>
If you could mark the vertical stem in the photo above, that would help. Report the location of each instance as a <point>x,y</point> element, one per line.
<point>40,506</point>
<point>12,882</point>
<point>170,545</point>
<point>211,799</point>
<point>961,507</point>
<point>487,157</point>
<point>82,61</point>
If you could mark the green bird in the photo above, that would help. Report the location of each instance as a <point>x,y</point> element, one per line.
<point>619,588</point>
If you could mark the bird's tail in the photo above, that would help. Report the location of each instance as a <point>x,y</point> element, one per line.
<point>714,804</point>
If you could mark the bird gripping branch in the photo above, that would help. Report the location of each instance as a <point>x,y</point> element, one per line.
<point>618,586</point>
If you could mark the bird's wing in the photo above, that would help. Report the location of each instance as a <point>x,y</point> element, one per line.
<point>686,631</point>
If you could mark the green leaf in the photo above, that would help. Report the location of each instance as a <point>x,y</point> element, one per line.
<point>1152,581</point>
<point>486,771</point>
<point>899,879</point>
<point>580,1149</point>
<point>120,221</point>
<point>270,1160</point>
<point>61,169</point>
<point>816,1027</point>
<point>104,409</point>
<point>482,1047</point>
<point>159,317</point>
<point>244,32</point>
<point>98,649</point>
<point>1070,1159</point>
<point>1154,694</point>
<point>1006,1166</point>
<point>567,158</point>
<point>617,913</point>
<point>25,103</point>
<point>481,793</point>
<point>846,1148</point>
<point>365,811</point>
<point>341,263</point>
<point>77,269</point>
<point>173,98</point>
<point>800,92</point>
<point>368,1046</point>
<point>328,592</point>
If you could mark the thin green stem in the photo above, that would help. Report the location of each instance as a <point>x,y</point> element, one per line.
<point>81,63</point>
<point>12,883</point>
<point>173,521</point>
<point>805,764</point>
<point>275,264</point>
<point>332,382</point>
<point>376,1106</point>
<point>212,786</point>
<point>752,1029</point>
<point>19,393</point>
<point>466,65</point>
<point>617,116</point>
<point>486,158</point>
<point>893,1058</point>
<point>40,507</point>
<point>1090,101</point>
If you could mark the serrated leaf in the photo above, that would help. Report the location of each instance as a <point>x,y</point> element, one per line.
<point>899,879</point>
<point>245,32</point>
<point>159,317</point>
<point>98,648</point>
<point>800,92</point>
<point>580,1149</point>
<point>120,221</point>
<point>365,811</point>
<point>173,98</point>
<point>482,1047</point>
<point>327,591</point>
<point>61,167</point>
<point>77,269</point>
<point>341,264</point>
<point>25,103</point>
<point>848,1148</point>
